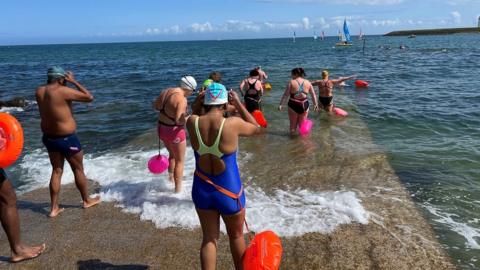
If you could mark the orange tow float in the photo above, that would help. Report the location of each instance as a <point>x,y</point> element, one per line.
<point>11,140</point>
<point>258,115</point>
<point>361,84</point>
<point>264,252</point>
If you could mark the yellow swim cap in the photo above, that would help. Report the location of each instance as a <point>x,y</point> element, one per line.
<point>324,73</point>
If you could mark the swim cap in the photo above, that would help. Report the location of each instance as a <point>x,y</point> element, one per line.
<point>55,72</point>
<point>216,94</point>
<point>324,73</point>
<point>188,82</point>
<point>207,83</point>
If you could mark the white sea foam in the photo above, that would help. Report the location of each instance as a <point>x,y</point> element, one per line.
<point>471,234</point>
<point>125,180</point>
<point>11,109</point>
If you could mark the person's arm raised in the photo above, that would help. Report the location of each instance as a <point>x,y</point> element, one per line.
<point>248,126</point>
<point>342,79</point>
<point>82,95</point>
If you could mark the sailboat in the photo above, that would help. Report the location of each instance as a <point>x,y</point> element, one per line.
<point>360,36</point>
<point>323,35</point>
<point>294,36</point>
<point>315,36</point>
<point>345,38</point>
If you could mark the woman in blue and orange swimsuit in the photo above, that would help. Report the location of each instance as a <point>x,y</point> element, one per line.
<point>217,189</point>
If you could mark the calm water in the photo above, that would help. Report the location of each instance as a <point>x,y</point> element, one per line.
<point>422,109</point>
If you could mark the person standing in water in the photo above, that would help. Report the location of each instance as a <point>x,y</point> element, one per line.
<point>262,75</point>
<point>215,76</point>
<point>297,94</point>
<point>172,107</point>
<point>253,94</point>
<point>11,223</point>
<point>325,87</point>
<point>217,189</point>
<point>59,133</point>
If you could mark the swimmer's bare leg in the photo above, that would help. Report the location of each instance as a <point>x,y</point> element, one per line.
<point>178,150</point>
<point>234,225</point>
<point>293,116</point>
<point>76,163</point>
<point>210,223</point>
<point>11,224</point>
<point>57,161</point>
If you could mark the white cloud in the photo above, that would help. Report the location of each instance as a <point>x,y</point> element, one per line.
<point>201,27</point>
<point>457,17</point>
<point>306,23</point>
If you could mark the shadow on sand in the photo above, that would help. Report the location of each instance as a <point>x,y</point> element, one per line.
<point>98,264</point>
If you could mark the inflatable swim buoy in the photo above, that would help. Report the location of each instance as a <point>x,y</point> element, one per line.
<point>361,84</point>
<point>305,127</point>
<point>158,164</point>
<point>11,140</point>
<point>267,86</point>
<point>258,115</point>
<point>340,112</point>
<point>264,252</point>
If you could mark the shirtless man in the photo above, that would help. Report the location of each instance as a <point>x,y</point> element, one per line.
<point>11,223</point>
<point>262,75</point>
<point>172,107</point>
<point>325,87</point>
<point>58,127</point>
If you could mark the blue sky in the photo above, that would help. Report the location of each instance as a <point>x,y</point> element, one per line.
<point>75,21</point>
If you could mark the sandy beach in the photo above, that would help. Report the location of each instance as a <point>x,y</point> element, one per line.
<point>104,237</point>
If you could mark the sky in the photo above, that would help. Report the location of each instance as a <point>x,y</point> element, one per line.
<point>91,21</point>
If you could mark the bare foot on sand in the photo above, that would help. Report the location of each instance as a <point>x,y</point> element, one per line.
<point>91,202</point>
<point>55,212</point>
<point>25,253</point>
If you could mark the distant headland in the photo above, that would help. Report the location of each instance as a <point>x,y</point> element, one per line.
<point>444,31</point>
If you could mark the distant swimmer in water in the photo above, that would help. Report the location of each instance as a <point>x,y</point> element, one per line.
<point>11,223</point>
<point>252,91</point>
<point>296,92</point>
<point>215,76</point>
<point>217,189</point>
<point>403,47</point>
<point>262,75</point>
<point>325,87</point>
<point>172,107</point>
<point>59,132</point>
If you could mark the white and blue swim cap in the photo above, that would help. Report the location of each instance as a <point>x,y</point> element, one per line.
<point>188,82</point>
<point>56,72</point>
<point>216,94</point>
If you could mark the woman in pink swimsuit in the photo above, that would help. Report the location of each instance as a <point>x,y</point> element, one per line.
<point>172,107</point>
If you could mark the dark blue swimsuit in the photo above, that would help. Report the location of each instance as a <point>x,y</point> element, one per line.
<point>212,196</point>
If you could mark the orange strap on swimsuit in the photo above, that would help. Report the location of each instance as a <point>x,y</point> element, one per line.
<point>224,191</point>
<point>227,193</point>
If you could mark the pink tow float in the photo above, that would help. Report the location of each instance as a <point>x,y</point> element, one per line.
<point>305,127</point>
<point>340,112</point>
<point>158,164</point>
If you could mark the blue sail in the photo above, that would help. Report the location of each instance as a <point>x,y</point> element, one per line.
<point>346,33</point>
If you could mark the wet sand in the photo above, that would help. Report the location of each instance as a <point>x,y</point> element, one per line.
<point>397,236</point>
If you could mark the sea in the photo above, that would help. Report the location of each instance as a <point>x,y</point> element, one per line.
<point>422,110</point>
